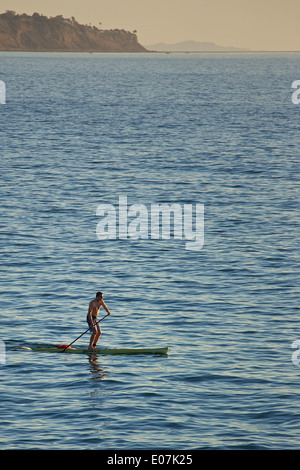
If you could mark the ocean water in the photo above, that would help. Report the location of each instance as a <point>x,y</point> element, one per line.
<point>79,130</point>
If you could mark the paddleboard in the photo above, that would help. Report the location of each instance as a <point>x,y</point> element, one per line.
<point>115,351</point>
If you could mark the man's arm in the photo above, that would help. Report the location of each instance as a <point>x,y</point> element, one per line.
<point>105,307</point>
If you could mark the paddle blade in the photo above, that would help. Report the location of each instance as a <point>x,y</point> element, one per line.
<point>63,346</point>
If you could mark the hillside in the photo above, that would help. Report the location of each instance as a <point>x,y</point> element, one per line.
<point>192,46</point>
<point>58,34</point>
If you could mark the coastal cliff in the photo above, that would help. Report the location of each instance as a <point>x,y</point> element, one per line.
<point>39,33</point>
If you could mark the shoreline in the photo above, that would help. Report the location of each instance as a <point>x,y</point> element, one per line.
<point>145,52</point>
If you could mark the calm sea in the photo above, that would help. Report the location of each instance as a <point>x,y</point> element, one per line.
<point>79,130</point>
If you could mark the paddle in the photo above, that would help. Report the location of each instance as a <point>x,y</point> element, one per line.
<point>84,333</point>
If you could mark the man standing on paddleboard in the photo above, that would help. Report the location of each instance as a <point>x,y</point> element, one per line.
<point>91,318</point>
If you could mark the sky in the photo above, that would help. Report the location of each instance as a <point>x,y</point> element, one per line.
<point>251,24</point>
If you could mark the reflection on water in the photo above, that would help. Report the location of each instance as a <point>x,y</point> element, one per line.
<point>96,370</point>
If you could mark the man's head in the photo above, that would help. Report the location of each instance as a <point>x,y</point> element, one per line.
<point>99,295</point>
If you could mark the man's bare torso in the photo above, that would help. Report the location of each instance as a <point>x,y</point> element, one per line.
<point>94,307</point>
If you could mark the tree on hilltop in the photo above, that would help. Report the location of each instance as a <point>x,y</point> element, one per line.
<point>10,13</point>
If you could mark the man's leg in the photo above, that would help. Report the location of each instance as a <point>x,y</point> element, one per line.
<point>93,336</point>
<point>97,336</point>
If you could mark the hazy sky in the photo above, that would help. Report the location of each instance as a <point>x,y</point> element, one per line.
<point>253,24</point>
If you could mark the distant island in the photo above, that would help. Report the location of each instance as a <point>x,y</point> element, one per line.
<point>193,46</point>
<point>38,33</point>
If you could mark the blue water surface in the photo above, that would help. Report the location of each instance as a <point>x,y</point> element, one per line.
<point>79,130</point>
